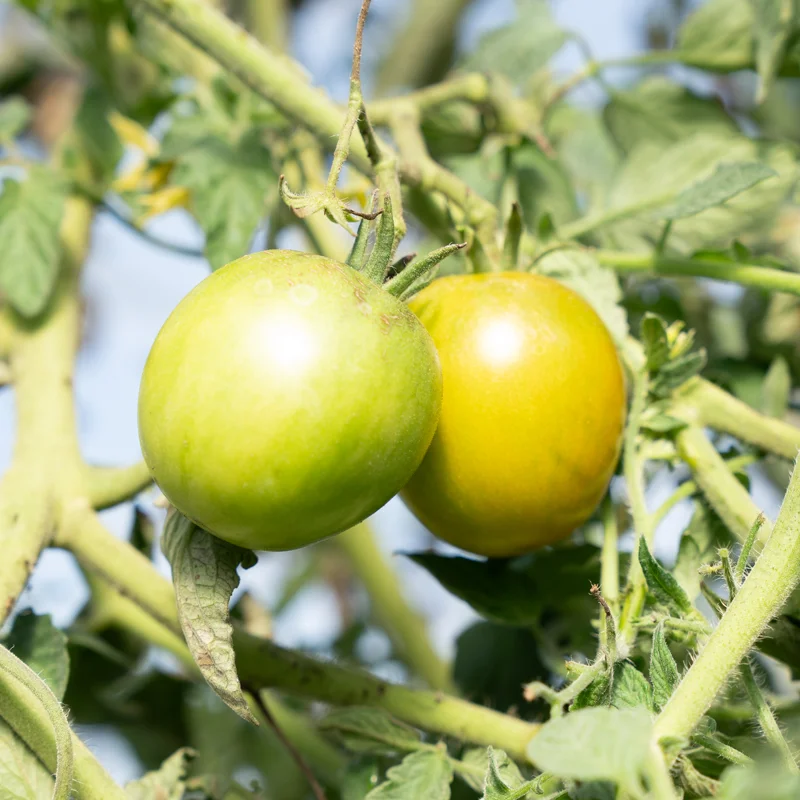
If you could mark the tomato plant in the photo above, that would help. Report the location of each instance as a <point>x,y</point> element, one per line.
<point>599,599</point>
<point>286,399</point>
<point>520,458</point>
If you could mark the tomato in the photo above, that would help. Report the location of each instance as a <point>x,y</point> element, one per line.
<point>532,413</point>
<point>285,399</point>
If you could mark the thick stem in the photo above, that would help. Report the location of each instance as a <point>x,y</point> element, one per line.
<point>109,486</point>
<point>760,599</point>
<point>765,278</point>
<point>405,627</point>
<point>720,486</point>
<point>262,663</point>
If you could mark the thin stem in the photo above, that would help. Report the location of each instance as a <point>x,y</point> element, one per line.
<point>405,627</point>
<point>764,278</point>
<point>747,547</point>
<point>760,599</point>
<point>722,750</point>
<point>609,564</point>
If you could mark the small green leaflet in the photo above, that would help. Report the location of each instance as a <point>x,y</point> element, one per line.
<point>22,775</point>
<point>663,669</point>
<point>370,730</point>
<point>423,774</point>
<point>654,339</point>
<point>43,647</point>
<point>501,783</point>
<point>630,689</point>
<point>594,744</point>
<point>15,114</point>
<point>522,47</point>
<point>479,757</point>
<point>204,574</point>
<point>232,186</point>
<point>773,25</point>
<point>725,182</point>
<point>661,583</point>
<point>165,783</point>
<point>30,218</point>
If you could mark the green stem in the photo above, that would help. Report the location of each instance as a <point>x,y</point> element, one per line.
<point>405,627</point>
<point>766,719</point>
<point>764,278</point>
<point>716,408</point>
<point>658,777</point>
<point>722,750</point>
<point>760,599</point>
<point>109,486</point>
<point>723,491</point>
<point>20,671</point>
<point>262,663</point>
<point>609,563</point>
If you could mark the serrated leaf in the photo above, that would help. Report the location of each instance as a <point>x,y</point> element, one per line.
<point>630,689</point>
<point>204,574</point>
<point>231,188</point>
<point>597,693</point>
<point>773,20</point>
<point>661,583</point>
<point>663,669</point>
<point>15,114</point>
<point>370,730</point>
<point>654,339</point>
<point>165,783</point>
<point>598,285</point>
<point>43,647</point>
<point>677,371</point>
<point>423,774</point>
<point>478,757</point>
<point>522,47</point>
<point>22,775</point>
<point>498,783</point>
<point>594,744</point>
<point>725,182</point>
<point>30,219</point>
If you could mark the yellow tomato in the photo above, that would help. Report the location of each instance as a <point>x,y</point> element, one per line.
<point>532,413</point>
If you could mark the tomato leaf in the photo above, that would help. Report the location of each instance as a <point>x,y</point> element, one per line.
<point>99,142</point>
<point>726,182</point>
<point>30,218</point>
<point>654,338</point>
<point>663,669</point>
<point>629,688</point>
<point>718,36</point>
<point>594,744</point>
<point>772,26</point>
<point>204,574</point>
<point>232,186</point>
<point>486,758</point>
<point>43,647</point>
<point>423,774</point>
<point>370,730</point>
<point>15,114</point>
<point>165,783</point>
<point>503,781</point>
<point>22,775</point>
<point>661,583</point>
<point>360,779</point>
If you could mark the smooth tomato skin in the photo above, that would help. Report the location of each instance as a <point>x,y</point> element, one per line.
<point>532,413</point>
<point>286,399</point>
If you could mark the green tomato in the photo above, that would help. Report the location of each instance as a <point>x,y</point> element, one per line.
<point>286,399</point>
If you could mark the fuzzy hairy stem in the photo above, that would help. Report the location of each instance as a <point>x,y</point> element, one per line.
<point>261,663</point>
<point>760,599</point>
<point>404,626</point>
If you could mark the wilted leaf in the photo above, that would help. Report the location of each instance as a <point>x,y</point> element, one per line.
<point>30,218</point>
<point>22,775</point>
<point>204,574</point>
<point>423,774</point>
<point>166,783</point>
<point>594,744</point>
<point>43,647</point>
<point>370,730</point>
<point>663,669</point>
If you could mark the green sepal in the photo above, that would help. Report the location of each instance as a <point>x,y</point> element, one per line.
<point>378,261</point>
<point>418,274</point>
<point>359,249</point>
<point>512,238</point>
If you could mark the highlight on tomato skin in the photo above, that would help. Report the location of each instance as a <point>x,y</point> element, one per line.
<point>286,399</point>
<point>532,416</point>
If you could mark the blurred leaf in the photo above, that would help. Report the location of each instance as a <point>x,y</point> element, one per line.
<point>166,783</point>
<point>718,35</point>
<point>765,782</point>
<point>661,583</point>
<point>15,115</point>
<point>776,388</point>
<point>543,186</point>
<point>598,285</point>
<point>423,774</point>
<point>772,25</point>
<point>660,110</point>
<point>485,171</point>
<point>43,647</point>
<point>507,770</point>
<point>232,186</point>
<point>663,669</point>
<point>360,779</point>
<point>97,139</point>
<point>370,730</point>
<point>22,775</point>
<point>654,339</point>
<point>204,574</point>
<point>493,662</point>
<point>594,744</point>
<point>453,128</point>
<point>726,182</point>
<point>522,47</point>
<point>30,220</point>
